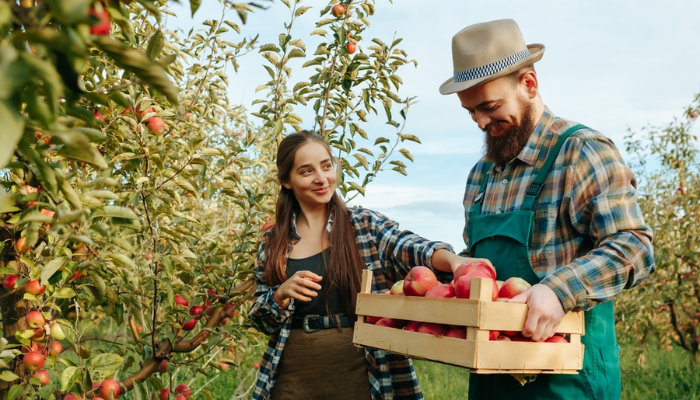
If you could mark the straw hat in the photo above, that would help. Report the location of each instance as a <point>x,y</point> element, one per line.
<point>487,51</point>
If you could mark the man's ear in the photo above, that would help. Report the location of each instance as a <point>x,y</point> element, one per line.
<point>530,83</point>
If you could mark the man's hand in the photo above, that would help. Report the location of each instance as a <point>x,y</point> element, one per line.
<point>301,286</point>
<point>545,311</point>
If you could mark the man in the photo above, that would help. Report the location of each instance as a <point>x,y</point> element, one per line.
<point>551,202</point>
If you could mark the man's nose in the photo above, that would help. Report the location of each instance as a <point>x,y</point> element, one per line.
<point>482,120</point>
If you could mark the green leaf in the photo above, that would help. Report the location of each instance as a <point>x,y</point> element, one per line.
<point>301,10</point>
<point>115,211</point>
<point>106,361</point>
<point>30,297</point>
<point>11,132</point>
<point>119,98</point>
<point>15,391</point>
<point>296,53</point>
<point>381,140</point>
<point>409,137</point>
<point>194,5</point>
<point>357,187</point>
<point>51,268</point>
<point>77,146</point>
<point>137,63</point>
<point>64,293</point>
<point>68,377</point>
<point>406,154</point>
<point>155,45</point>
<point>69,11</point>
<point>8,376</point>
<point>122,259</point>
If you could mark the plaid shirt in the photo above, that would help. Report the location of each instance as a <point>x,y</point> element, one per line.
<point>590,239</point>
<point>389,253</point>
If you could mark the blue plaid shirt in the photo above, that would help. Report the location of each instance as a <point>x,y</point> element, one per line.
<point>389,253</point>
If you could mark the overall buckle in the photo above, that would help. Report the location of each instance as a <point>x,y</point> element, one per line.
<point>306,327</point>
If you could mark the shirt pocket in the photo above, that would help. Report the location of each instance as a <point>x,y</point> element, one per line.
<point>544,228</point>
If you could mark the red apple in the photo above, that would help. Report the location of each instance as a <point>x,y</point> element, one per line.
<point>99,116</point>
<point>223,321</point>
<point>223,366</point>
<point>103,26</point>
<point>464,284</point>
<point>39,334</point>
<point>10,282</point>
<point>338,10</point>
<point>34,361</point>
<point>183,390</point>
<point>418,281</point>
<point>163,367</point>
<point>256,365</point>
<point>503,338</point>
<point>189,325</point>
<point>441,291</point>
<point>44,377</point>
<point>519,338</point>
<point>140,114</point>
<point>180,397</point>
<point>397,288</point>
<point>55,349</point>
<point>139,328</point>
<point>267,226</point>
<point>464,269</point>
<point>351,48</point>
<point>413,326</point>
<point>433,329</point>
<point>109,386</point>
<point>493,335</point>
<point>179,300</point>
<point>556,339</point>
<point>500,284</point>
<point>156,125</point>
<point>34,287</point>
<point>513,287</point>
<point>693,115</point>
<point>196,310</point>
<point>372,320</point>
<point>164,394</point>
<point>34,319</point>
<point>388,322</point>
<point>459,333</point>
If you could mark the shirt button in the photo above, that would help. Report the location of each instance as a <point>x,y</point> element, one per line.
<point>504,181</point>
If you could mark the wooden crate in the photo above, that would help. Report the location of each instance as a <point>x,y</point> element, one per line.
<point>480,315</point>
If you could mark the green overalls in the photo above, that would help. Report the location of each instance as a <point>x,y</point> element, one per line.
<point>505,240</point>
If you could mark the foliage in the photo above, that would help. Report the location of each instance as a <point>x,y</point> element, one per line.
<point>667,305</point>
<point>131,181</point>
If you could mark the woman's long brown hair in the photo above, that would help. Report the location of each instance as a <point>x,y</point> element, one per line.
<point>344,272</point>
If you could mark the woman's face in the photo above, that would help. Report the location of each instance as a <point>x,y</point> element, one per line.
<point>313,175</point>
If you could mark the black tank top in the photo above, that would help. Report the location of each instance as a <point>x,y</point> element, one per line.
<point>317,305</point>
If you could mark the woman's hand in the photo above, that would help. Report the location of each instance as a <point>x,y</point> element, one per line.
<point>301,286</point>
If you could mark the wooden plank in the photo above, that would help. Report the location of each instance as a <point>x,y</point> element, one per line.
<point>500,316</point>
<point>460,312</point>
<point>524,371</point>
<point>516,356</point>
<point>419,345</point>
<point>366,286</point>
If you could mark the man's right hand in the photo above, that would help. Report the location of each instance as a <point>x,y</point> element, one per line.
<point>301,286</point>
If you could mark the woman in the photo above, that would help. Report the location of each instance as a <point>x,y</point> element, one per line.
<point>308,276</point>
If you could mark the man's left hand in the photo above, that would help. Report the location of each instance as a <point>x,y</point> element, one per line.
<point>544,314</point>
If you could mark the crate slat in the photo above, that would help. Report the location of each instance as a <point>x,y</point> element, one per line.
<point>500,316</point>
<point>461,312</point>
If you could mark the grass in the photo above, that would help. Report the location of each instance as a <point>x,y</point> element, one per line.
<point>667,376</point>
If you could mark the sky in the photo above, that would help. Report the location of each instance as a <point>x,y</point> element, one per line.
<point>611,65</point>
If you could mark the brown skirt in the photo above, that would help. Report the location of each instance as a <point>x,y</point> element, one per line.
<point>322,365</point>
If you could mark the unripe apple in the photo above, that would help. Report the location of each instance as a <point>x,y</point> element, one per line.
<point>10,282</point>
<point>103,26</point>
<point>179,300</point>
<point>55,349</point>
<point>418,281</point>
<point>109,386</point>
<point>156,125</point>
<point>351,47</point>
<point>34,319</point>
<point>397,288</point>
<point>34,361</point>
<point>34,287</point>
<point>196,310</point>
<point>57,332</point>
<point>189,325</point>
<point>164,394</point>
<point>44,377</point>
<point>21,245</point>
<point>163,367</point>
<point>338,10</point>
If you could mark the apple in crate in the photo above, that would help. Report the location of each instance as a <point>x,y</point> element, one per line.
<point>513,287</point>
<point>459,333</point>
<point>464,284</point>
<point>556,339</point>
<point>397,288</point>
<point>418,281</point>
<point>392,323</point>
<point>503,338</point>
<point>464,269</point>
<point>372,320</point>
<point>493,335</point>
<point>433,329</point>
<point>413,326</point>
<point>442,291</point>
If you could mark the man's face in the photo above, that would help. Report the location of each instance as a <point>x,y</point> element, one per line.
<point>503,110</point>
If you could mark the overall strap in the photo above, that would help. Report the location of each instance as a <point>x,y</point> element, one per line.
<point>533,191</point>
<point>476,208</point>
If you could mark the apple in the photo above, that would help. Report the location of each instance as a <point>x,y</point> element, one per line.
<point>99,116</point>
<point>39,334</point>
<point>189,325</point>
<point>34,287</point>
<point>503,338</point>
<point>256,365</point>
<point>148,256</point>
<point>338,10</point>
<point>513,287</point>
<point>55,349</point>
<point>109,386</point>
<point>164,394</point>
<point>156,125</point>
<point>413,326</point>
<point>391,323</point>
<point>183,390</point>
<point>464,269</point>
<point>57,332</point>
<point>372,320</point>
<point>442,291</point>
<point>556,339</point>
<point>267,226</point>
<point>693,115</point>
<point>223,366</point>
<point>196,310</point>
<point>103,26</point>
<point>34,361</point>
<point>70,396</point>
<point>163,366</point>
<point>10,282</point>
<point>459,333</point>
<point>500,285</point>
<point>211,292</point>
<point>180,397</point>
<point>433,329</point>
<point>140,114</point>
<point>179,300</point>
<point>493,335</point>
<point>44,377</point>
<point>21,246</point>
<point>139,328</point>
<point>397,288</point>
<point>464,284</point>
<point>223,321</point>
<point>519,338</point>
<point>351,47</point>
<point>418,281</point>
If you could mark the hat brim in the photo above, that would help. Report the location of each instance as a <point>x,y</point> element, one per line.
<point>450,86</point>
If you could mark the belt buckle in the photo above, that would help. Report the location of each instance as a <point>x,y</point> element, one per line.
<point>306,327</point>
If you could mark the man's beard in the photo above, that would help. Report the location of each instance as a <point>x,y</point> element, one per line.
<point>503,148</point>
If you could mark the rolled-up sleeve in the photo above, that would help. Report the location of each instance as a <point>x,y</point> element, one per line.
<point>603,209</point>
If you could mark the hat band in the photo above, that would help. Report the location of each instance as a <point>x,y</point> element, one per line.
<point>490,69</point>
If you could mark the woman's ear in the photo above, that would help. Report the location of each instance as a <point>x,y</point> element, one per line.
<point>287,185</point>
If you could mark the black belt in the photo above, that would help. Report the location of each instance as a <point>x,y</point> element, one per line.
<point>313,323</point>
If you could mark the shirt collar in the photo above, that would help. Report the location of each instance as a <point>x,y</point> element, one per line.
<point>295,232</point>
<point>531,151</point>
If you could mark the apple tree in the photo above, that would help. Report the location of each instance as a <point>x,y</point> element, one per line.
<point>667,306</point>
